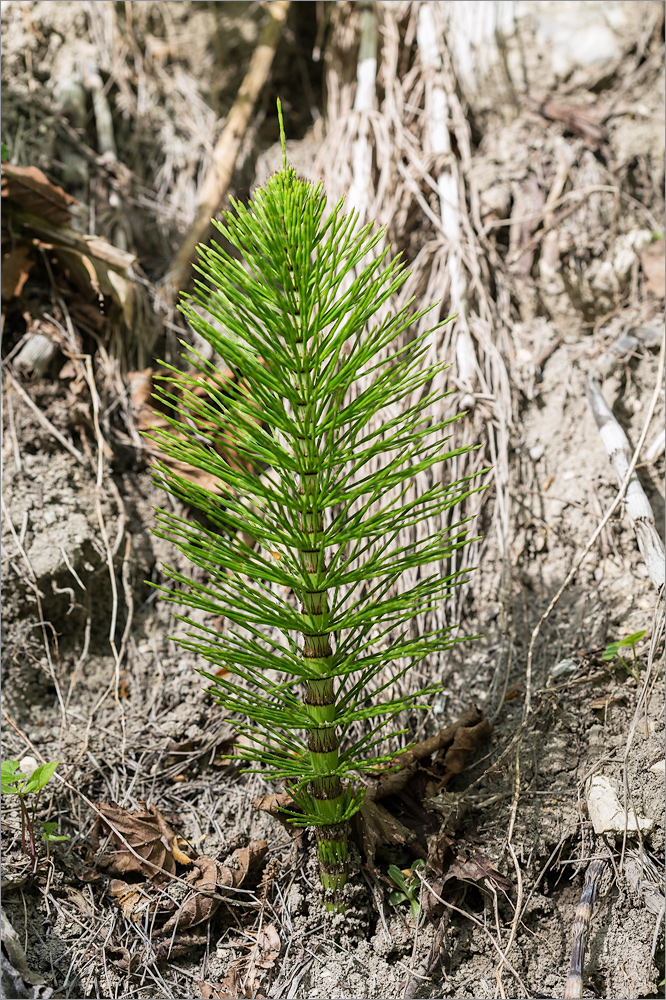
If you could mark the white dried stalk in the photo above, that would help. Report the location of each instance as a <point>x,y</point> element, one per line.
<point>475,26</point>
<point>366,76</point>
<point>637,504</point>
<point>656,449</point>
<point>36,355</point>
<point>106,139</point>
<point>448,187</point>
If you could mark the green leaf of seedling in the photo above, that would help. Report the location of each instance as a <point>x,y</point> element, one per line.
<point>396,897</point>
<point>49,835</point>
<point>396,876</point>
<point>610,651</point>
<point>631,640</point>
<point>40,776</point>
<point>5,151</point>
<point>415,908</point>
<point>11,777</point>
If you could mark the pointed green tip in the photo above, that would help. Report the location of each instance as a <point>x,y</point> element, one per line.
<point>283,141</point>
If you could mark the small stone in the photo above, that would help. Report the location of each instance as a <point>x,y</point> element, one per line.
<point>536,452</point>
<point>606,811</point>
<point>566,666</point>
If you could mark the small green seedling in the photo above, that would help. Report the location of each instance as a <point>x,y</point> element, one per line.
<point>4,152</point>
<point>30,784</point>
<point>612,650</point>
<point>409,888</point>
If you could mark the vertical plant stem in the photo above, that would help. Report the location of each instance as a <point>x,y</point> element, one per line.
<point>23,824</point>
<point>327,789</point>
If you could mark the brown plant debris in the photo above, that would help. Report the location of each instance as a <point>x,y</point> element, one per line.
<point>31,188</point>
<point>246,974</point>
<point>448,864</point>
<point>204,888</point>
<point>452,745</point>
<point>15,270</point>
<point>154,845</point>
<point>375,827</point>
<point>216,991</point>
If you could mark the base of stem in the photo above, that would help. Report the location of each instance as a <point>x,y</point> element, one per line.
<point>332,857</point>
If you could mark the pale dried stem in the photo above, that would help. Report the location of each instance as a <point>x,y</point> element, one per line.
<point>600,527</point>
<point>226,149</point>
<point>44,421</point>
<point>616,443</point>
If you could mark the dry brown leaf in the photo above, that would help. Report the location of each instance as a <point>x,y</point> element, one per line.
<point>375,827</point>
<point>217,991</point>
<point>133,900</point>
<point>243,860</point>
<point>209,880</point>
<point>606,701</point>
<point>447,867</point>
<point>15,270</point>
<point>391,779</point>
<point>204,901</point>
<point>269,945</point>
<point>275,804</point>
<point>147,832</point>
<point>31,190</point>
<point>466,739</point>
<point>479,870</point>
<point>652,262</point>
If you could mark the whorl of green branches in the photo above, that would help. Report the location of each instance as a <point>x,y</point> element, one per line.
<point>330,419</point>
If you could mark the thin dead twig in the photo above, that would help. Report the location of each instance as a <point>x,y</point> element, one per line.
<point>44,421</point>
<point>469,916</point>
<point>227,146</point>
<point>105,537</point>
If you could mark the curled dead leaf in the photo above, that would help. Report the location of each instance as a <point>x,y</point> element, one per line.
<point>146,832</point>
<point>447,870</point>
<point>278,804</point>
<point>374,827</point>
<point>133,900</point>
<point>478,870</point>
<point>203,901</point>
<point>243,860</point>
<point>218,991</point>
<point>31,190</point>
<point>466,739</point>
<point>211,881</point>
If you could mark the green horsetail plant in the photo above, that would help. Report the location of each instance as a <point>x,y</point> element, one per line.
<point>301,551</point>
